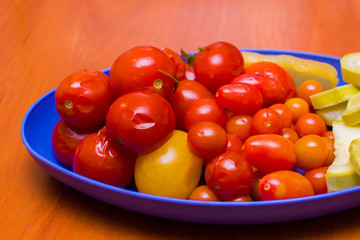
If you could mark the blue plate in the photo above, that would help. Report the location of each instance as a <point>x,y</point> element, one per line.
<point>36,132</point>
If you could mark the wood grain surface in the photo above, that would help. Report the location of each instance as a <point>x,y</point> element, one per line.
<point>41,42</point>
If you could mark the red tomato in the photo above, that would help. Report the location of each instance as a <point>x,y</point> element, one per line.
<point>270,152</point>
<point>233,143</point>
<point>240,126</point>
<point>65,138</point>
<point>290,134</point>
<point>143,68</point>
<point>254,192</point>
<point>178,63</point>
<point>141,120</point>
<point>217,64</point>
<point>203,193</point>
<point>266,120</point>
<point>205,109</point>
<point>239,98</point>
<point>186,94</point>
<point>229,175</point>
<point>98,157</point>
<point>244,198</point>
<point>275,71</point>
<point>271,89</point>
<point>206,140</point>
<point>189,73</point>
<point>317,179</point>
<point>83,98</point>
<point>285,113</point>
<point>310,123</point>
<point>283,185</point>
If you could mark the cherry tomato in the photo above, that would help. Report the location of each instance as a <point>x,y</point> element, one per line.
<point>65,138</point>
<point>331,156</point>
<point>217,64</point>
<point>254,192</point>
<point>329,134</point>
<point>308,88</point>
<point>271,89</point>
<point>244,198</point>
<point>290,134</point>
<point>203,193</point>
<point>283,185</point>
<point>98,157</point>
<point>169,171</point>
<point>233,143</point>
<point>141,120</point>
<point>186,94</point>
<point>205,109</point>
<point>312,152</point>
<point>143,68</point>
<point>275,71</point>
<point>266,120</point>
<point>284,112</point>
<point>83,98</point>
<point>310,123</point>
<point>229,175</point>
<point>206,140</point>
<point>178,63</point>
<point>298,107</point>
<point>239,98</point>
<point>240,126</point>
<point>270,152</point>
<point>317,179</point>
<point>189,73</point>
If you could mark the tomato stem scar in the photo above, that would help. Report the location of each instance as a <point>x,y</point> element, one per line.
<point>267,187</point>
<point>68,104</point>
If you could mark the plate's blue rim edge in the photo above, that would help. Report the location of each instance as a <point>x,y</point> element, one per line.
<point>176,200</point>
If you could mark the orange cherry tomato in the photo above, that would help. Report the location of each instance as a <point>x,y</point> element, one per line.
<point>284,112</point>
<point>240,126</point>
<point>331,156</point>
<point>329,134</point>
<point>308,88</point>
<point>298,107</point>
<point>203,193</point>
<point>317,179</point>
<point>290,134</point>
<point>312,152</point>
<point>310,123</point>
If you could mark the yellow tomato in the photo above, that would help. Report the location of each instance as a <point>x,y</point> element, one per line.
<point>169,171</point>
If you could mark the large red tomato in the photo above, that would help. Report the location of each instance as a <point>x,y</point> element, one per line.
<point>270,152</point>
<point>143,68</point>
<point>98,157</point>
<point>217,64</point>
<point>83,98</point>
<point>141,120</point>
<point>186,94</point>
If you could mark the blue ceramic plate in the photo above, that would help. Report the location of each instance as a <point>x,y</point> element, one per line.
<point>36,132</point>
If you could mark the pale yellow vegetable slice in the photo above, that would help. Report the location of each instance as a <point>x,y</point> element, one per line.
<point>332,113</point>
<point>301,69</point>
<point>341,174</point>
<point>354,150</point>
<point>351,116</point>
<point>333,96</point>
<point>350,68</point>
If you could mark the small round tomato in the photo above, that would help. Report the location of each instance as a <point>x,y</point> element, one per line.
<point>254,192</point>
<point>317,179</point>
<point>243,198</point>
<point>239,98</point>
<point>169,171</point>
<point>275,71</point>
<point>312,152</point>
<point>229,175</point>
<point>203,193</point>
<point>271,89</point>
<point>308,88</point>
<point>266,120</point>
<point>331,156</point>
<point>186,94</point>
<point>290,134</point>
<point>65,138</point>
<point>217,64</point>
<point>240,126</point>
<point>298,107</point>
<point>205,109</point>
<point>284,112</point>
<point>177,61</point>
<point>83,98</point>
<point>98,157</point>
<point>207,140</point>
<point>270,152</point>
<point>233,143</point>
<point>141,120</point>
<point>310,123</point>
<point>283,185</point>
<point>143,68</point>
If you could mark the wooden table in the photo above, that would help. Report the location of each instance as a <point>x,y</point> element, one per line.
<point>41,42</point>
